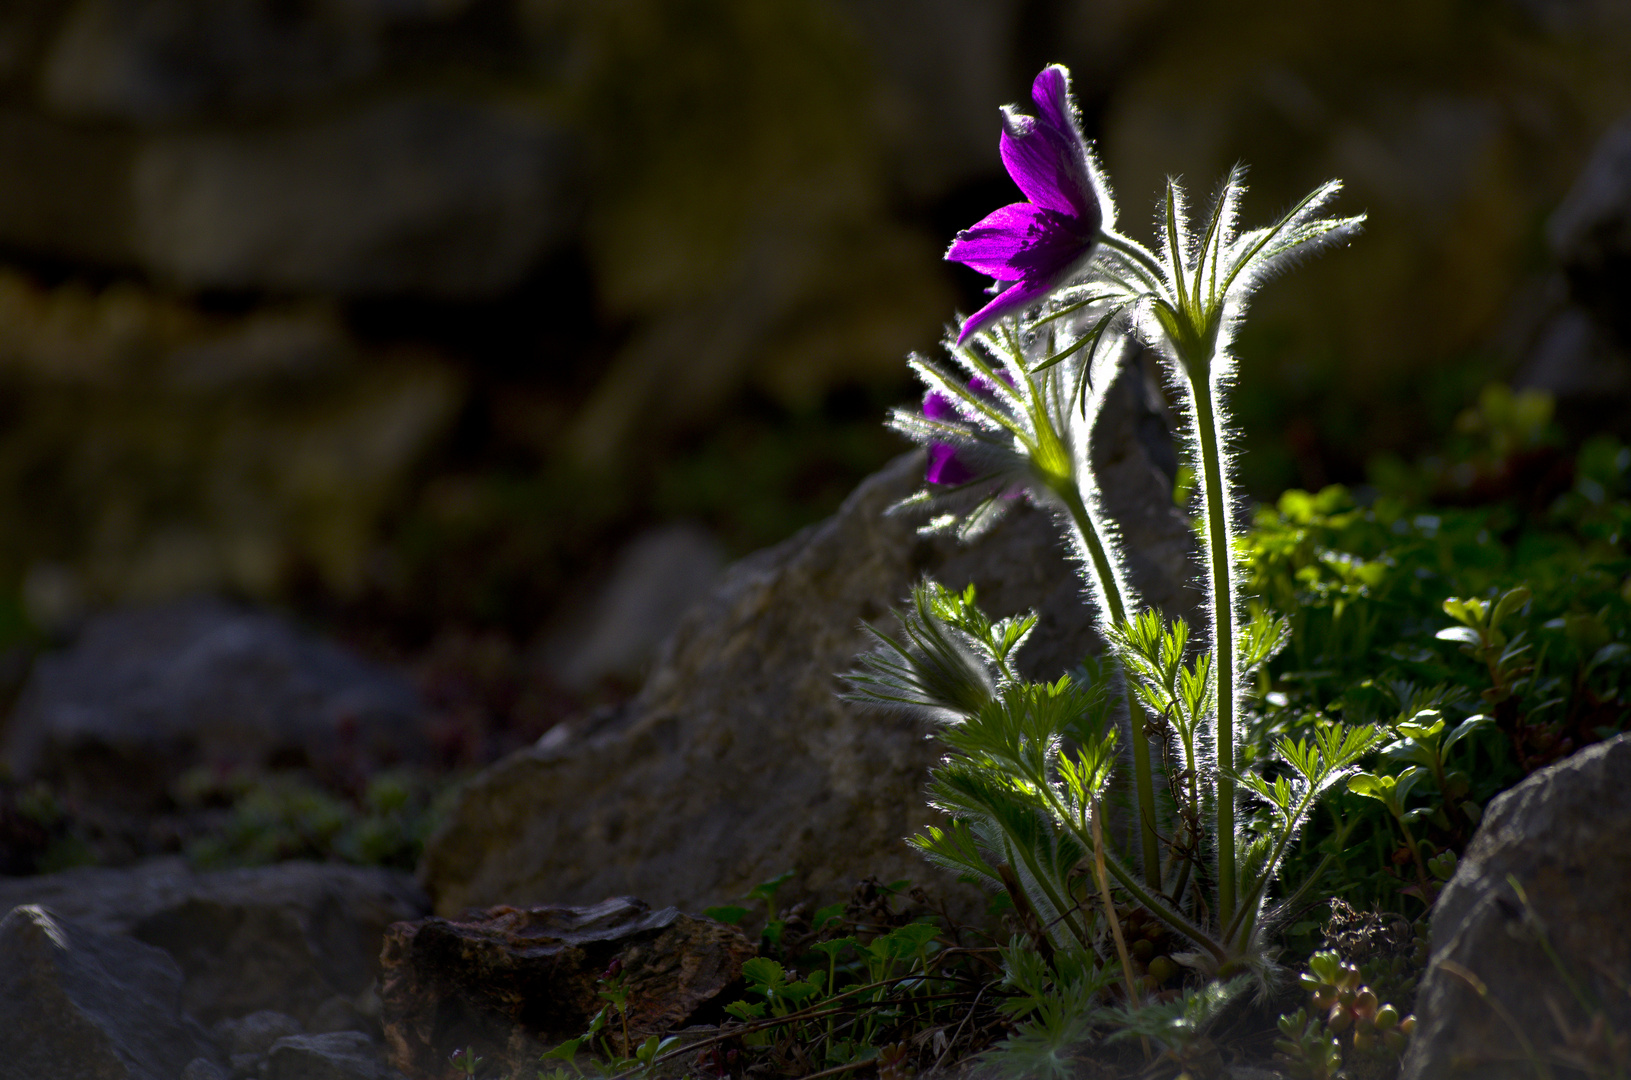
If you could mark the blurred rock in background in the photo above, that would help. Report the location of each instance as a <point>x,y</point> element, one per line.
<point>657,577</point>
<point>409,314</point>
<point>1581,350</point>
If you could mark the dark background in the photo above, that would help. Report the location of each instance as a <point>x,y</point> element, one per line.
<point>417,317</point>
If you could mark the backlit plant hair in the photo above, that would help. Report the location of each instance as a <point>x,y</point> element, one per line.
<point>1012,415</point>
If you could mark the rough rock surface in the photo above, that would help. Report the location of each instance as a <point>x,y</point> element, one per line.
<point>737,761</point>
<point>511,982</point>
<point>1564,835</point>
<point>85,1004</point>
<point>148,692</point>
<point>287,937</point>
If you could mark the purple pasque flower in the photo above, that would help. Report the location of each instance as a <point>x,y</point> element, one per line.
<point>945,467</point>
<point>1031,248</point>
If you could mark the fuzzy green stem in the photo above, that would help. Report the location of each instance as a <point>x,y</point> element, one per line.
<point>1143,775</point>
<point>1220,558</point>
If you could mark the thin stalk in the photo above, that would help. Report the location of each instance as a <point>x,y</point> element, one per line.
<point>1110,912</point>
<point>1143,774</point>
<point>1161,910</point>
<point>1072,498</point>
<point>1157,907</point>
<point>1220,558</point>
<point>1421,869</point>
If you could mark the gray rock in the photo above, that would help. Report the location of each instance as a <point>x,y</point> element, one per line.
<point>1573,358</point>
<point>85,1004</point>
<point>253,1035</point>
<point>338,1013</point>
<point>425,194</point>
<point>285,937</point>
<point>1564,835</point>
<point>340,1055</point>
<point>146,693</point>
<point>656,579</point>
<point>737,761</point>
<point>202,1069</point>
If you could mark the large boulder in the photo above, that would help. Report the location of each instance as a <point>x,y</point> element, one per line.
<point>738,761</point>
<point>146,693</point>
<point>1533,919</point>
<point>86,1004</point>
<point>654,581</point>
<point>290,938</point>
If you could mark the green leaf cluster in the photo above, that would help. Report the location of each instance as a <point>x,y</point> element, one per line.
<point>1486,641</point>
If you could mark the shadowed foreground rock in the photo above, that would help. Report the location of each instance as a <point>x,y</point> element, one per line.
<point>292,937</point>
<point>738,761</point>
<point>340,1055</point>
<point>75,1002</point>
<point>509,983</point>
<point>1564,835</point>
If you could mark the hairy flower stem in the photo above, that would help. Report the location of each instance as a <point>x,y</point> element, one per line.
<point>1220,564</point>
<point>1143,776</point>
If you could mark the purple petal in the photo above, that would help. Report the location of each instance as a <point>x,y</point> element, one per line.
<point>1041,159</point>
<point>937,406</point>
<point>945,467</point>
<point>1051,92</point>
<point>1016,297</point>
<point>986,388</point>
<point>1019,242</point>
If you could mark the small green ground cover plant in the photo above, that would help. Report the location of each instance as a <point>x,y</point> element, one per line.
<point>1486,642</point>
